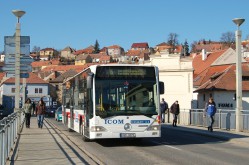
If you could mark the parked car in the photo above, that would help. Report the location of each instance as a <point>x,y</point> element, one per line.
<point>50,112</point>
<point>58,114</point>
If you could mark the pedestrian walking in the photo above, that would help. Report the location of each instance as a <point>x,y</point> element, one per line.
<point>27,110</point>
<point>210,109</point>
<point>40,112</point>
<point>175,110</point>
<point>33,106</point>
<point>163,108</point>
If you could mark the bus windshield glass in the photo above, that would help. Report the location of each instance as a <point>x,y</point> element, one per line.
<point>125,90</point>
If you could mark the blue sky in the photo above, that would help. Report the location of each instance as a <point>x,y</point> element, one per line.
<point>79,23</point>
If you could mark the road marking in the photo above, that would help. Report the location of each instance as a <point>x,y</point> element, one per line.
<point>169,146</point>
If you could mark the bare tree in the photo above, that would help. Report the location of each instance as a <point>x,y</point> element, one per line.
<point>172,41</point>
<point>228,38</point>
<point>36,49</point>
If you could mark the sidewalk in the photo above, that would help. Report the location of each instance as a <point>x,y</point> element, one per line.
<point>45,146</point>
<point>232,136</point>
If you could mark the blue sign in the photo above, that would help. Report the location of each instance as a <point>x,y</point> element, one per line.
<point>140,121</point>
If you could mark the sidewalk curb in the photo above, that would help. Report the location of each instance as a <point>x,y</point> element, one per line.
<point>203,132</point>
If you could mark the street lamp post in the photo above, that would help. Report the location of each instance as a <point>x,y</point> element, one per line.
<point>238,22</point>
<point>18,14</point>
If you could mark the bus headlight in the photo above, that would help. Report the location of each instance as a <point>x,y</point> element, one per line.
<point>97,129</point>
<point>153,128</point>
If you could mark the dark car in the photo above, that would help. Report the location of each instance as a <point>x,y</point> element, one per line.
<point>50,111</point>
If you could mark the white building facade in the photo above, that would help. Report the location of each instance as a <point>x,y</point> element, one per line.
<point>177,74</point>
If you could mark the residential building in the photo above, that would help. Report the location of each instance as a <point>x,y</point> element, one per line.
<point>220,83</point>
<point>57,84</point>
<point>162,46</point>
<point>210,46</point>
<point>68,53</point>
<point>100,58</point>
<point>135,56</point>
<point>168,48</point>
<point>115,51</point>
<point>48,53</point>
<point>36,88</point>
<point>88,50</point>
<point>39,65</point>
<point>82,59</point>
<point>177,74</point>
<point>215,76</point>
<point>140,46</point>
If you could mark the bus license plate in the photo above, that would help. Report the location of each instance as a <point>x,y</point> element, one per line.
<point>127,135</point>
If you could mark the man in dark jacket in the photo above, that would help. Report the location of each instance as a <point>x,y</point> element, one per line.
<point>210,110</point>
<point>175,110</point>
<point>163,108</point>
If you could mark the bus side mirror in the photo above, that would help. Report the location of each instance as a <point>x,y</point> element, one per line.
<point>161,87</point>
<point>89,80</point>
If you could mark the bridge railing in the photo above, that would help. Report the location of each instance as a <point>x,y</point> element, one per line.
<point>224,119</point>
<point>9,128</point>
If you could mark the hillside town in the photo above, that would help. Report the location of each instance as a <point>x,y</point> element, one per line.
<point>190,76</point>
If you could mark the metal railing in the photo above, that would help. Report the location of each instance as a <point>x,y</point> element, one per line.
<point>224,119</point>
<point>9,129</point>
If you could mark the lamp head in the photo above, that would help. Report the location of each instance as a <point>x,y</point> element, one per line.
<point>238,21</point>
<point>18,13</point>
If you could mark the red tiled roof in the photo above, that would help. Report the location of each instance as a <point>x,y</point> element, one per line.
<point>105,58</point>
<point>45,63</point>
<point>114,47</point>
<point>47,49</point>
<point>199,65</point>
<point>226,80</point>
<point>63,68</point>
<point>163,44</point>
<point>87,50</point>
<point>206,74</point>
<point>33,79</point>
<point>133,53</point>
<point>140,45</point>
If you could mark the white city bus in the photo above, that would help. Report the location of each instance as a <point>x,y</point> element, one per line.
<point>113,101</point>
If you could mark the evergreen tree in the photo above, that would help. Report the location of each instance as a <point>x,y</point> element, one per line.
<point>96,47</point>
<point>185,48</point>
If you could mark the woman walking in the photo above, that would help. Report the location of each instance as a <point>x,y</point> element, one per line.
<point>27,110</point>
<point>175,110</point>
<point>40,112</point>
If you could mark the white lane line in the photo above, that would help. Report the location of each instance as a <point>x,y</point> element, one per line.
<point>167,146</point>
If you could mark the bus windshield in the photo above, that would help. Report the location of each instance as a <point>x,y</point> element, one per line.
<point>126,94</point>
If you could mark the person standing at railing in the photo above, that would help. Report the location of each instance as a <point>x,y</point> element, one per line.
<point>40,112</point>
<point>175,110</point>
<point>27,110</point>
<point>210,109</point>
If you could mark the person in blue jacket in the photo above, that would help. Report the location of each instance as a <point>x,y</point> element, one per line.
<point>210,110</point>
